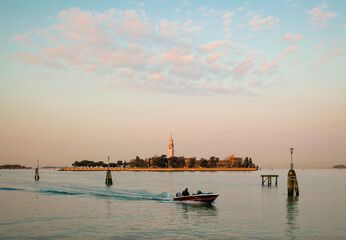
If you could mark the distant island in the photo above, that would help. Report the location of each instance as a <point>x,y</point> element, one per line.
<point>163,163</point>
<point>13,166</point>
<point>339,166</point>
<point>168,163</point>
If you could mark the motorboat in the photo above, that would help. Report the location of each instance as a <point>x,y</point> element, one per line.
<point>199,197</point>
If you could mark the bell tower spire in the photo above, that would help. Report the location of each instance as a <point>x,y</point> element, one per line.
<point>170,147</point>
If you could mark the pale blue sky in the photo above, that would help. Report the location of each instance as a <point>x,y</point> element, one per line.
<point>87,79</point>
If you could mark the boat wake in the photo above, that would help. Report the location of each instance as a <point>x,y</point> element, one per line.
<point>126,194</point>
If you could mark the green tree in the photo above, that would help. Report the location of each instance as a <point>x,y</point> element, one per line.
<point>76,164</point>
<point>176,162</point>
<point>181,162</point>
<point>86,163</point>
<point>164,160</point>
<point>203,163</point>
<point>159,162</point>
<point>212,162</point>
<point>137,163</point>
<point>113,165</point>
<point>246,162</point>
<point>192,163</point>
<point>173,162</point>
<point>120,163</point>
<point>100,164</point>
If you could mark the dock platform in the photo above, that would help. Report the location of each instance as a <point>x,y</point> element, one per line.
<point>268,178</point>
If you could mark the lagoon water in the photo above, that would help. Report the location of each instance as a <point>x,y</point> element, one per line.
<point>70,205</point>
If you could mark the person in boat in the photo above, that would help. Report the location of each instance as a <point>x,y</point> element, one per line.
<point>199,192</point>
<point>185,192</point>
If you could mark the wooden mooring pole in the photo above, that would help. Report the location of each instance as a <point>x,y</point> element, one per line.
<point>37,176</point>
<point>109,181</point>
<point>292,182</point>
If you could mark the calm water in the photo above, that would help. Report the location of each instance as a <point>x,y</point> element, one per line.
<point>79,205</point>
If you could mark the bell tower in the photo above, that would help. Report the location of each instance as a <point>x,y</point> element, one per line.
<point>170,148</point>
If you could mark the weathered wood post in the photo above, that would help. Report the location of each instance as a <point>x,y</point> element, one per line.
<point>37,176</point>
<point>292,183</point>
<point>109,181</point>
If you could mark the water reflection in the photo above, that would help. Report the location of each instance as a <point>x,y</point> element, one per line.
<point>196,209</point>
<point>169,182</point>
<point>109,208</point>
<point>292,214</point>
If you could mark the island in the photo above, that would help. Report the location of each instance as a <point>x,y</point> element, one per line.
<point>163,163</point>
<point>168,163</point>
<point>13,166</point>
<point>339,166</point>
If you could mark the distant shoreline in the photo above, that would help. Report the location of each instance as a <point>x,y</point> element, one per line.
<point>157,169</point>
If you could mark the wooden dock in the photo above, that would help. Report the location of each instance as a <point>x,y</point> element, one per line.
<point>268,178</point>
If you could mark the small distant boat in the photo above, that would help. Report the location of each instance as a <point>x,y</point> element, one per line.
<point>200,197</point>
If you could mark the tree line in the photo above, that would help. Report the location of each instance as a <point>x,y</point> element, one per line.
<point>88,163</point>
<point>13,166</point>
<point>163,162</point>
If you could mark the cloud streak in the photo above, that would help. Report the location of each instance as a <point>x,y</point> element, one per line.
<point>318,17</point>
<point>291,38</point>
<point>258,23</point>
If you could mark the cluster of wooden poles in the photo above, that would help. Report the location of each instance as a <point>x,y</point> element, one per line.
<point>292,182</point>
<point>109,181</point>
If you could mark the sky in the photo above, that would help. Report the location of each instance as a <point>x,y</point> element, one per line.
<point>91,79</point>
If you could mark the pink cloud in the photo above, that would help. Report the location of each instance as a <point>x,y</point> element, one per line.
<point>127,71</point>
<point>168,28</point>
<point>74,36</point>
<point>188,28</point>
<point>131,57</point>
<point>22,38</point>
<point>289,50</point>
<point>337,51</point>
<point>295,62</point>
<point>86,27</point>
<point>123,48</point>
<point>227,15</point>
<point>318,18</point>
<point>227,18</point>
<point>242,68</point>
<point>218,44</point>
<point>134,27</point>
<point>319,46</point>
<point>158,76</point>
<point>252,54</point>
<point>332,54</point>
<point>27,58</point>
<point>72,56</point>
<point>227,22</point>
<point>177,57</point>
<point>192,29</point>
<point>291,37</point>
<point>84,21</point>
<point>267,23</point>
<point>269,67</point>
<point>214,56</point>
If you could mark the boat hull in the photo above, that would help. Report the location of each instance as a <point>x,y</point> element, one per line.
<point>206,198</point>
